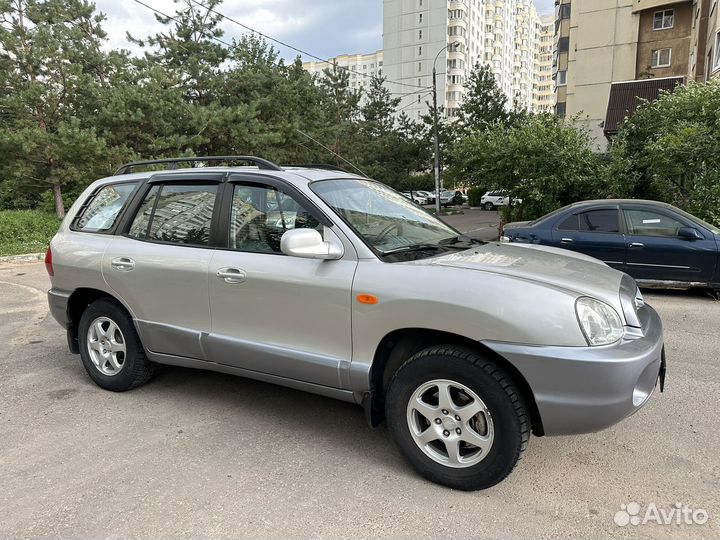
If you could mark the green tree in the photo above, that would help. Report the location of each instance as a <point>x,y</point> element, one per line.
<point>484,103</point>
<point>669,150</point>
<point>541,159</point>
<point>189,48</point>
<point>53,70</point>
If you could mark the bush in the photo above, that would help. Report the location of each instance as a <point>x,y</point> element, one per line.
<point>475,194</point>
<point>26,231</point>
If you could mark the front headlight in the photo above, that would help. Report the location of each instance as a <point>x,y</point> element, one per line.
<point>600,323</point>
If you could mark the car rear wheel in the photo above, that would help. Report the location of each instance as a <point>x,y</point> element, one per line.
<point>489,206</point>
<point>110,348</point>
<point>457,417</point>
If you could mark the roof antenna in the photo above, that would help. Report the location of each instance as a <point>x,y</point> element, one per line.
<point>332,152</point>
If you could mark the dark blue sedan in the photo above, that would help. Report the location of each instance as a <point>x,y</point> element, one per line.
<point>656,243</point>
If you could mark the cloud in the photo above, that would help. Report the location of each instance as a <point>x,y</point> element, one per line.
<point>323,28</point>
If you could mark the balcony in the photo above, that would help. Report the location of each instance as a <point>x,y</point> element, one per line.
<point>641,5</point>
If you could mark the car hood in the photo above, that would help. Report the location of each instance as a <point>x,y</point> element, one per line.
<point>558,268</point>
<point>516,225</point>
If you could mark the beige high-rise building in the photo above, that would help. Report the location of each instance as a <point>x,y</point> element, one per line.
<point>361,69</point>
<point>611,54</point>
<point>543,86</point>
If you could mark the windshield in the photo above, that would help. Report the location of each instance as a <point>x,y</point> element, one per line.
<point>385,219</point>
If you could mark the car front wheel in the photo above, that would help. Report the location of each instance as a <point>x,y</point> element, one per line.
<point>457,417</point>
<point>110,347</point>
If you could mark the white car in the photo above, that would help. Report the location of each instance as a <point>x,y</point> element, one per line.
<point>415,196</point>
<point>492,199</point>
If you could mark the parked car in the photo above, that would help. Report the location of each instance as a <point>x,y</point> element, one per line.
<point>494,199</point>
<point>656,243</point>
<point>450,198</point>
<point>325,281</point>
<point>429,196</point>
<point>415,196</point>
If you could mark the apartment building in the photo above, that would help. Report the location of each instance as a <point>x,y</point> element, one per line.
<point>361,68</point>
<point>499,33</point>
<point>543,85</point>
<point>705,41</point>
<point>611,54</point>
<point>454,36</point>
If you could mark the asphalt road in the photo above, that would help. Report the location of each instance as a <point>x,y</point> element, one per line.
<point>195,454</point>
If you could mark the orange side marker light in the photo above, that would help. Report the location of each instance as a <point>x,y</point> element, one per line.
<point>367,299</point>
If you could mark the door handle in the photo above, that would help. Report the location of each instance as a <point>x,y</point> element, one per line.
<point>231,275</point>
<point>637,245</point>
<point>566,240</point>
<point>124,264</point>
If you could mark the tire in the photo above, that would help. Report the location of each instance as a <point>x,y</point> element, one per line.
<point>505,420</point>
<point>489,206</point>
<point>125,368</point>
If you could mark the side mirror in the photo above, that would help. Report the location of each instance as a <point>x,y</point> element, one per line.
<point>689,233</point>
<point>308,244</point>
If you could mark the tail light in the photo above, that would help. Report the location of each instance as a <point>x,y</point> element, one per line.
<point>48,262</point>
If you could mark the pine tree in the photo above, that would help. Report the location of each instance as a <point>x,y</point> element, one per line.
<point>484,104</point>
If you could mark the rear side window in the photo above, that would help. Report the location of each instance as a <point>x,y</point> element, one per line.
<point>102,211</point>
<point>592,221</point>
<point>174,213</point>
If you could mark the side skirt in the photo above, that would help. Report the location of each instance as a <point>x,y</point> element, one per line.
<point>182,361</point>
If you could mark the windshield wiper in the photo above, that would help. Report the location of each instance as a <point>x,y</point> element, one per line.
<point>415,247</point>
<point>461,238</point>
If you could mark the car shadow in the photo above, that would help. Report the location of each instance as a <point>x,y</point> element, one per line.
<point>699,293</point>
<point>295,411</point>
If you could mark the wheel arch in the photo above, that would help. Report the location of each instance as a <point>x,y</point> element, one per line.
<point>78,301</point>
<point>399,345</point>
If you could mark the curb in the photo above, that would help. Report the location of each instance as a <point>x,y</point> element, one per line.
<point>28,257</point>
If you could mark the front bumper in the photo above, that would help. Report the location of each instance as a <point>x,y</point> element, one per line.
<point>587,389</point>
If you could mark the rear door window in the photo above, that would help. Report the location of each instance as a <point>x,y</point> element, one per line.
<point>176,213</point>
<point>599,221</point>
<point>104,208</point>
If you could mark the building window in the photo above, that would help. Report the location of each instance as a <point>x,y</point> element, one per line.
<point>662,20</point>
<point>420,18</point>
<point>419,34</point>
<point>564,11</point>
<point>563,44</point>
<point>420,51</point>
<point>716,63</point>
<point>419,67</point>
<point>661,58</point>
<point>562,78</point>
<point>560,110</point>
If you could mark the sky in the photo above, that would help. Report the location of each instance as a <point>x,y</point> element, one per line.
<point>323,28</point>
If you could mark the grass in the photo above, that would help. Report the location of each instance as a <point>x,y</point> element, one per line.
<point>26,231</point>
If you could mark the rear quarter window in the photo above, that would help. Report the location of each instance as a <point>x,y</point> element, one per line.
<point>101,213</point>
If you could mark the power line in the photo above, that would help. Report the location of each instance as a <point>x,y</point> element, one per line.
<point>232,46</point>
<point>285,44</point>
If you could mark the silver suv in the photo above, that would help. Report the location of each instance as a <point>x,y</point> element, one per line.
<point>336,284</point>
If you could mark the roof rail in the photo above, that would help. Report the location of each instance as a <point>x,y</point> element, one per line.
<point>172,163</point>
<point>324,166</point>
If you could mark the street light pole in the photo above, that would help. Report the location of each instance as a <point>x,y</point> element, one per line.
<point>435,127</point>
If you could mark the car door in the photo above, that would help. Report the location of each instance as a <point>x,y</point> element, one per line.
<point>595,231</point>
<point>272,313</point>
<point>159,266</point>
<point>655,251</point>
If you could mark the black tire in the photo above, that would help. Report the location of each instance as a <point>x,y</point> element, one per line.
<point>136,368</point>
<point>508,412</point>
<point>489,206</point>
